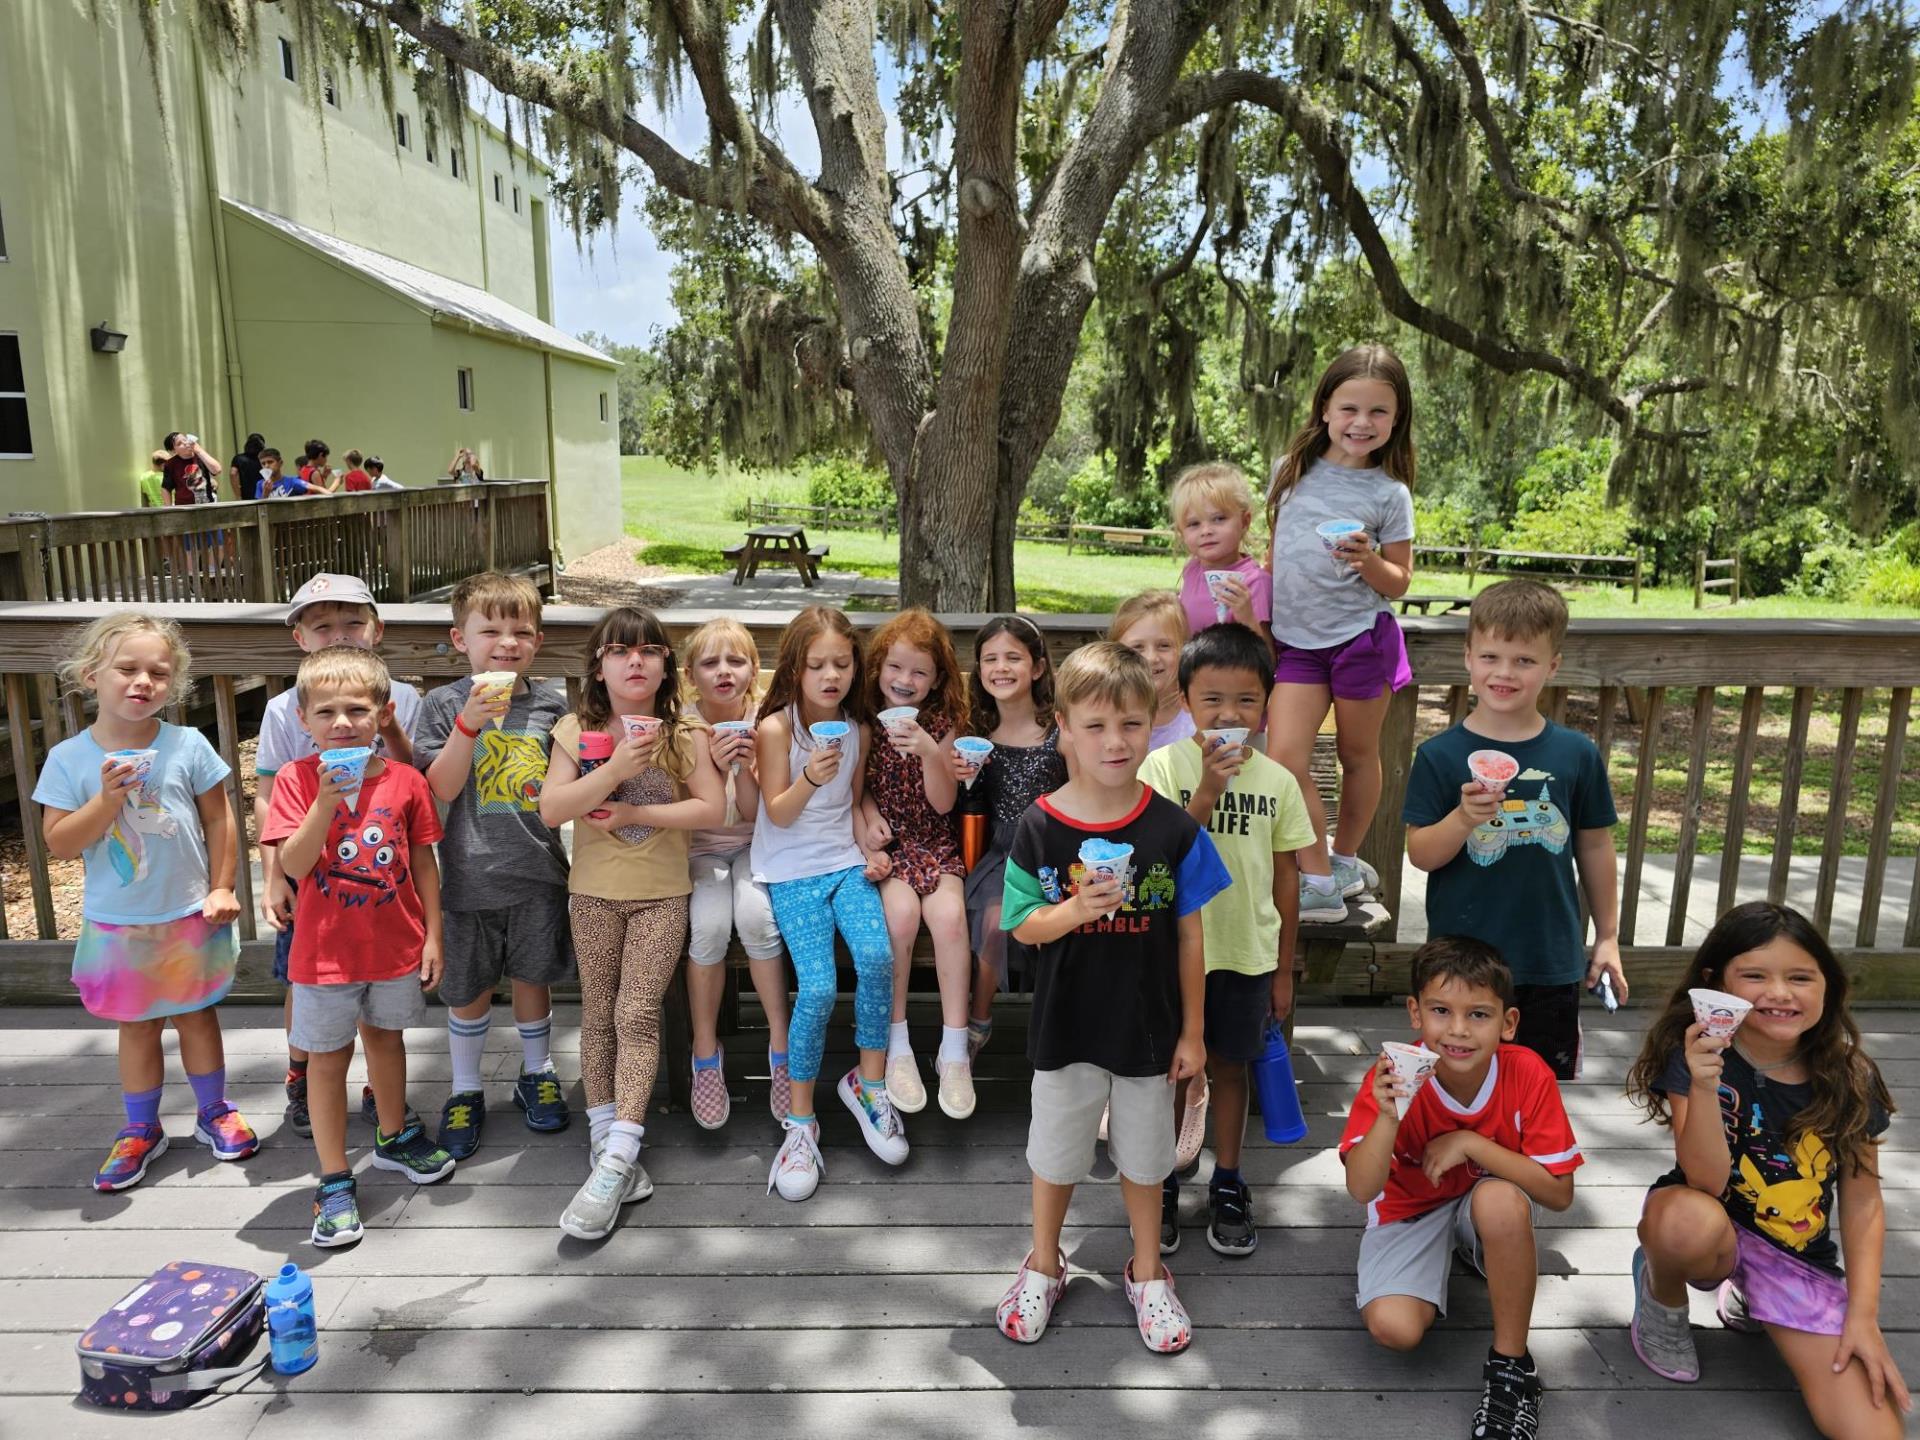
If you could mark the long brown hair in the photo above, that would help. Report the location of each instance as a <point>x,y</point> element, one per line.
<point>629,625</point>
<point>1362,362</point>
<point>984,711</point>
<point>918,629</point>
<point>1846,1084</point>
<point>783,691</point>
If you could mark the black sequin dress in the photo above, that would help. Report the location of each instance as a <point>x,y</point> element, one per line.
<point>1008,784</point>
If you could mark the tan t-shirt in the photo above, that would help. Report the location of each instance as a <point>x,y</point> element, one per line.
<point>652,866</point>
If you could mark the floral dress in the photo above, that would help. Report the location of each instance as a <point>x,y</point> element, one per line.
<point>1009,783</point>
<point>926,844</point>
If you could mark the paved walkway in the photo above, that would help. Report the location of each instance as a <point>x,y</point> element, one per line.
<point>718,1310</point>
<point>773,589</point>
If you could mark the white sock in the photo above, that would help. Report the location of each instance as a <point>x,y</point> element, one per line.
<point>536,1043</point>
<point>623,1140</point>
<point>897,1043</point>
<point>1350,859</point>
<point>599,1122</point>
<point>953,1044</point>
<point>1319,884</point>
<point>466,1039</point>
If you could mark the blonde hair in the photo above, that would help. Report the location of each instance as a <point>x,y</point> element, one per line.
<point>496,596</point>
<point>1151,605</point>
<point>712,638</point>
<point>1519,610</point>
<point>93,645</point>
<point>160,458</point>
<point>1105,672</point>
<point>343,665</point>
<point>1215,482</point>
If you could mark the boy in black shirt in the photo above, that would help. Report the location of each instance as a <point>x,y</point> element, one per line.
<point>1119,984</point>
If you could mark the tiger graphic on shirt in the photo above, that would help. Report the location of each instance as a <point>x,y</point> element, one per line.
<point>508,766</point>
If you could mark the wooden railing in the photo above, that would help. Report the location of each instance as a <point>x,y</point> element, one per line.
<point>406,544</point>
<point>1675,667</point>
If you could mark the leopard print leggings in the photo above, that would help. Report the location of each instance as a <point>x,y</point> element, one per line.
<point>628,951</point>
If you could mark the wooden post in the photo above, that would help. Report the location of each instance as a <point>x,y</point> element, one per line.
<point>1838,794</point>
<point>1699,578</point>
<point>1883,807</point>
<point>1642,804</point>
<point>548,546</point>
<point>492,529</point>
<point>1733,596</point>
<point>1385,845</point>
<point>1789,812</point>
<point>262,583</point>
<point>1639,561</point>
<point>1734,843</point>
<point>400,536</point>
<point>1690,814</point>
<point>20,733</point>
<point>226,721</point>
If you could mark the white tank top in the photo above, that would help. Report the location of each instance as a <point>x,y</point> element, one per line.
<point>820,840</point>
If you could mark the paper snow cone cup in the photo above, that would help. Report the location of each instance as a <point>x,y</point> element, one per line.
<point>141,760</point>
<point>349,768</point>
<point>830,734</point>
<point>496,680</point>
<point>1331,533</point>
<point>1494,769</point>
<point>640,727</point>
<point>975,750</point>
<point>1215,580</point>
<point>1413,1064</point>
<point>898,718</point>
<point>1719,1013</point>
<point>1106,860</point>
<point>733,727</point>
<point>1234,735</point>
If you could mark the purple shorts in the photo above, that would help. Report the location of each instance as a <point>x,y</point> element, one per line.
<point>1363,668</point>
<point>1784,1290</point>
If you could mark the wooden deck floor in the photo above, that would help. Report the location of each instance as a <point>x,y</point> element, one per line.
<point>716,1309</point>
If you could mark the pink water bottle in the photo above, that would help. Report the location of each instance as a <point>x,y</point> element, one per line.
<point>596,749</point>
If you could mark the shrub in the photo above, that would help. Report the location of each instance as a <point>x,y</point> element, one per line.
<point>1775,556</point>
<point>1446,520</point>
<point>840,480</point>
<point>1891,579</point>
<point>1092,499</point>
<point>1576,522</point>
<point>1832,571</point>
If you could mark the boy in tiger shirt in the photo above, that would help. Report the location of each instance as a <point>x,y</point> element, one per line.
<point>483,745</point>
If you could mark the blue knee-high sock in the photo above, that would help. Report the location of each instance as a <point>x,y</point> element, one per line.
<point>209,1089</point>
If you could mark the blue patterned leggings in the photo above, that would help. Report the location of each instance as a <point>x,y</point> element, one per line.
<point>806,912</point>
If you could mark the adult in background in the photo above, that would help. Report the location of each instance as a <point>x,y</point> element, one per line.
<point>245,468</point>
<point>465,469</point>
<point>187,477</point>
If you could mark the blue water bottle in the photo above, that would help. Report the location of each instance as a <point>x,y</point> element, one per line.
<point>292,1326</point>
<point>1279,1099</point>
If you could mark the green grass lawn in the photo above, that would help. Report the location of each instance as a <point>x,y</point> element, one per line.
<point>685,519</point>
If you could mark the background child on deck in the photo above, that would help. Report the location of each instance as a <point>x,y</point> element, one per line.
<point>1212,510</point>
<point>367,933</point>
<point>1503,862</point>
<point>1768,1125</point>
<point>1483,1141</point>
<point>907,811</point>
<point>723,667</point>
<point>1333,626</point>
<point>156,930</point>
<point>327,610</point>
<point>1119,989</point>
<point>503,893</point>
<point>628,887</point>
<point>1153,624</point>
<point>806,852</point>
<point>1251,810</point>
<point>1010,694</point>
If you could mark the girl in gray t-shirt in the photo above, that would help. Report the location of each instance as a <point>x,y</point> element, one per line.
<point>1340,506</point>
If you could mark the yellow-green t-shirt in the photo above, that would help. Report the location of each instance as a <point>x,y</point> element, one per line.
<point>1260,813</point>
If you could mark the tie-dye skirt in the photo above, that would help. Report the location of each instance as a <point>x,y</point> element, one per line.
<point>144,972</point>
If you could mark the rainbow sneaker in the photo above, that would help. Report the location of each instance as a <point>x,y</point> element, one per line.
<point>221,1130</point>
<point>134,1148</point>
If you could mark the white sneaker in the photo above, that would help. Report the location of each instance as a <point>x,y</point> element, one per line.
<point>596,1205</point>
<point>1321,907</point>
<point>796,1169</point>
<point>956,1089</point>
<point>904,1086</point>
<point>883,1130</point>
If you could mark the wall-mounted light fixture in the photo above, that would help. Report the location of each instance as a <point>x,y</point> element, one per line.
<point>107,340</point>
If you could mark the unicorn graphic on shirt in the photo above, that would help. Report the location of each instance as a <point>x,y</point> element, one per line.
<point>142,818</point>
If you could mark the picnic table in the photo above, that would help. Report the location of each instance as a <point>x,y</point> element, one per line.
<point>1449,604</point>
<point>776,545</point>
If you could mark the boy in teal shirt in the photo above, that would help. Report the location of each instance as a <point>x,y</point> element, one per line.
<point>1251,808</point>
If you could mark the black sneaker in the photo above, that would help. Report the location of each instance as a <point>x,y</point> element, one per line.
<point>1509,1401</point>
<point>1169,1215</point>
<point>460,1122</point>
<point>370,1111</point>
<point>1230,1220</point>
<point>413,1155</point>
<point>298,1120</point>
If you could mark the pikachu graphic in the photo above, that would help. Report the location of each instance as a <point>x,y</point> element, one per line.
<point>1791,1211</point>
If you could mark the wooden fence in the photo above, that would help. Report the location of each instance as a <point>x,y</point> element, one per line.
<point>1677,664</point>
<point>406,544</point>
<point>1725,575</point>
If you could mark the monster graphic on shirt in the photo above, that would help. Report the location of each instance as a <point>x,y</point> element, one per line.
<point>363,865</point>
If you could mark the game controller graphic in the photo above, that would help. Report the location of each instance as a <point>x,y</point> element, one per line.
<point>1520,822</point>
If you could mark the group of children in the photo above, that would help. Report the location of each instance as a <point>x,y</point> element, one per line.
<point>1135,842</point>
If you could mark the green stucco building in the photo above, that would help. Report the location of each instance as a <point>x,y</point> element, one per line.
<point>300,265</point>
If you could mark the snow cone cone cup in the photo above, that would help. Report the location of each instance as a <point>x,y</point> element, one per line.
<point>1331,533</point>
<point>1493,769</point>
<point>496,680</point>
<point>898,718</point>
<point>1232,735</point>
<point>1719,1013</point>
<point>975,750</point>
<point>140,760</point>
<point>640,727</point>
<point>1215,580</point>
<point>349,768</point>
<point>829,733</point>
<point>1106,860</point>
<point>1413,1064</point>
<point>733,727</point>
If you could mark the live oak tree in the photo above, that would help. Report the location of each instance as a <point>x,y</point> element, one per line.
<point>1652,203</point>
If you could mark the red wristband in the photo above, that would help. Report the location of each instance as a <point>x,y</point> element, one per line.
<point>460,724</point>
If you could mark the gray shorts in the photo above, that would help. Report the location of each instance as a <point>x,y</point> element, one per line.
<point>1066,1124</point>
<point>1415,1257</point>
<point>326,1017</point>
<point>531,942</point>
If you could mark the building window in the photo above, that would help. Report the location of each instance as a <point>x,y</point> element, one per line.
<point>516,199</point>
<point>465,388</point>
<point>403,131</point>
<point>453,161</point>
<point>603,407</point>
<point>3,236</point>
<point>286,57</point>
<point>16,441</point>
<point>328,89</point>
<point>433,155</point>
<point>499,189</point>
